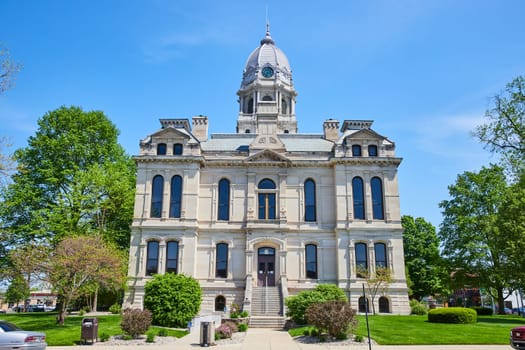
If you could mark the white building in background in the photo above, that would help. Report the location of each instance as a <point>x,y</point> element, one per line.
<point>267,209</point>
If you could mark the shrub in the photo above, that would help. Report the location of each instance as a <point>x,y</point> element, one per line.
<point>244,314</point>
<point>232,326</point>
<point>115,309</point>
<point>335,317</point>
<point>104,337</point>
<point>173,299</point>
<point>359,338</point>
<point>243,327</point>
<point>452,315</point>
<point>135,322</point>
<point>223,332</point>
<point>417,308</point>
<point>298,304</point>
<point>162,333</point>
<point>150,336</point>
<point>483,311</point>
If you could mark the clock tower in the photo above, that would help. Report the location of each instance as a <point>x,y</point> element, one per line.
<point>267,95</point>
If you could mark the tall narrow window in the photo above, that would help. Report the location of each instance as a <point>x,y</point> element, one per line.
<point>157,191</point>
<point>224,200</point>
<point>284,106</point>
<point>250,106</point>
<point>380,253</point>
<point>266,199</point>
<point>356,150</point>
<point>152,259</point>
<point>361,259</point>
<point>161,149</point>
<point>176,196</point>
<point>177,149</point>
<point>384,305</point>
<point>221,260</point>
<point>372,150</point>
<point>311,260</point>
<point>172,256</point>
<point>377,198</point>
<point>220,303</point>
<point>309,200</point>
<point>363,304</point>
<point>359,198</point>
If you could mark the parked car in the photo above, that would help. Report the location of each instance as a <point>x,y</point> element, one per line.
<point>12,337</point>
<point>517,337</point>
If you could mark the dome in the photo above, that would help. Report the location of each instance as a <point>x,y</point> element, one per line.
<point>267,54</point>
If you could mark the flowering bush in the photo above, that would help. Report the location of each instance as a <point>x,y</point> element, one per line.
<point>223,332</point>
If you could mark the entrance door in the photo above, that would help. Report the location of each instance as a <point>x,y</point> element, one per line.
<point>266,267</point>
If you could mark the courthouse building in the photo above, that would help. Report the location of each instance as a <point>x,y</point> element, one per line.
<point>263,213</point>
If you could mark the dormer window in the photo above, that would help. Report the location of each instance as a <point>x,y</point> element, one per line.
<point>161,149</point>
<point>372,150</point>
<point>177,149</point>
<point>356,150</point>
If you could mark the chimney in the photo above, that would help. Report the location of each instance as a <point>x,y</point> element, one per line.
<point>200,127</point>
<point>331,130</point>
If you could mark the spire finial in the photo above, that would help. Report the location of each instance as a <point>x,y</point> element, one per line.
<point>267,38</point>
<point>267,22</point>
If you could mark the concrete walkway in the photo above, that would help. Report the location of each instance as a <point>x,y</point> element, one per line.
<point>268,339</point>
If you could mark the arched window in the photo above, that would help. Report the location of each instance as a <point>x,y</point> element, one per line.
<point>377,198</point>
<point>221,260</point>
<point>361,259</point>
<point>380,253</point>
<point>311,260</point>
<point>286,131</point>
<point>157,191</point>
<point>152,258</point>
<point>247,131</point>
<point>372,150</point>
<point>220,303</point>
<point>356,150</point>
<point>267,98</point>
<point>309,200</point>
<point>384,305</point>
<point>176,196</point>
<point>267,200</point>
<point>177,149</point>
<point>250,106</point>
<point>172,256</point>
<point>161,149</point>
<point>364,306</point>
<point>284,106</point>
<point>359,198</point>
<point>224,200</point>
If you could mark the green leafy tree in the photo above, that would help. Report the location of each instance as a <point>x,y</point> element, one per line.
<point>172,299</point>
<point>422,260</point>
<point>80,264</point>
<point>472,241</point>
<point>504,131</point>
<point>18,290</point>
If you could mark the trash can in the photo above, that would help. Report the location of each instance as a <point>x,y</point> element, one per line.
<point>89,330</point>
<point>207,335</point>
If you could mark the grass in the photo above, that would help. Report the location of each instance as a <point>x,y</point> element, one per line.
<point>416,330</point>
<point>69,333</point>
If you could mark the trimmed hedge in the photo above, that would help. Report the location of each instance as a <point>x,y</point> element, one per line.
<point>453,315</point>
<point>483,311</point>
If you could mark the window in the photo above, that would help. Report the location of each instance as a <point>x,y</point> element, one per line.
<point>176,196</point>
<point>372,150</point>
<point>309,200</point>
<point>377,198</point>
<point>384,305</point>
<point>361,260</point>
<point>161,149</point>
<point>266,199</point>
<point>221,260</point>
<point>359,198</point>
<point>311,260</point>
<point>224,200</point>
<point>152,259</point>
<point>267,98</point>
<point>157,191</point>
<point>380,253</point>
<point>363,304</point>
<point>356,150</point>
<point>177,149</point>
<point>286,131</point>
<point>247,131</point>
<point>220,303</point>
<point>172,256</point>
<point>284,107</point>
<point>250,106</point>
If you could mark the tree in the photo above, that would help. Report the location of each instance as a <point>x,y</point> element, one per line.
<point>473,243</point>
<point>6,161</point>
<point>504,132</point>
<point>376,282</point>
<point>73,177</point>
<point>422,259</point>
<point>29,262</point>
<point>8,69</point>
<point>79,264</point>
<point>18,290</point>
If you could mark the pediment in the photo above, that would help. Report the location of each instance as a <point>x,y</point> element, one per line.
<point>267,156</point>
<point>170,133</point>
<point>267,141</point>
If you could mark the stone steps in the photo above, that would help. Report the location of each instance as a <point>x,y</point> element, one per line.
<point>267,322</point>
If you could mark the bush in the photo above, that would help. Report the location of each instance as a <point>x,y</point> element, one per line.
<point>243,327</point>
<point>104,337</point>
<point>150,336</point>
<point>173,299</point>
<point>417,308</point>
<point>232,325</point>
<point>483,311</point>
<point>115,309</point>
<point>162,333</point>
<point>358,338</point>
<point>135,322</point>
<point>452,315</point>
<point>223,332</point>
<point>334,317</point>
<point>298,304</point>
<point>244,314</point>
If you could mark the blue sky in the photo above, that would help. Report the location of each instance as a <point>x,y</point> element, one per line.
<point>424,70</point>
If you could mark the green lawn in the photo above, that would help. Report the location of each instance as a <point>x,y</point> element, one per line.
<point>416,330</point>
<point>69,333</point>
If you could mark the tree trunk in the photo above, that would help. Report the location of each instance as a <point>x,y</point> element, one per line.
<point>95,300</point>
<point>501,301</point>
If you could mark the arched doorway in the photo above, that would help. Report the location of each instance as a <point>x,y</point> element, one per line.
<point>266,267</point>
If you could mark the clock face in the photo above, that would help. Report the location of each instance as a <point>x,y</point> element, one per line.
<point>267,72</point>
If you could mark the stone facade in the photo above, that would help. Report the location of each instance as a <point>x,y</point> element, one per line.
<point>267,205</point>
